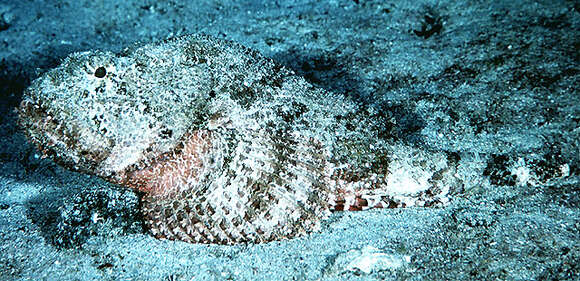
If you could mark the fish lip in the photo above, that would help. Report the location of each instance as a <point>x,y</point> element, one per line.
<point>46,132</point>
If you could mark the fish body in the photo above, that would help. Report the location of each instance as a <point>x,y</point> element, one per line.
<point>226,145</point>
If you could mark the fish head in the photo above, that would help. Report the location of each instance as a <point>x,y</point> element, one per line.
<point>100,112</point>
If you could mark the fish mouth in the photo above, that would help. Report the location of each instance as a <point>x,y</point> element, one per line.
<point>55,138</point>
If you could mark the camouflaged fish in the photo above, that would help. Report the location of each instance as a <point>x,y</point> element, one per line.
<point>226,145</point>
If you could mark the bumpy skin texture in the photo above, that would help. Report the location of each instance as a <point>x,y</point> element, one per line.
<point>226,145</point>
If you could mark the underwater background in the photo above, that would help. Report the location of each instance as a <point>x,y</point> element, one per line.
<point>492,84</point>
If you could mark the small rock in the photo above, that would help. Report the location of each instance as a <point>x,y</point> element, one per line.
<point>368,259</point>
<point>6,18</point>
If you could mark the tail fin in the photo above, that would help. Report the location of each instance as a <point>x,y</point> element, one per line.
<point>413,177</point>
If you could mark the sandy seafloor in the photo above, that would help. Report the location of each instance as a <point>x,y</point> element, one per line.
<point>494,84</point>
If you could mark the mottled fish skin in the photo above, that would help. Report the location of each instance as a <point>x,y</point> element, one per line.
<point>226,145</point>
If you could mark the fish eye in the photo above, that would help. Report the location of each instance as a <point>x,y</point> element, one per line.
<point>100,72</point>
